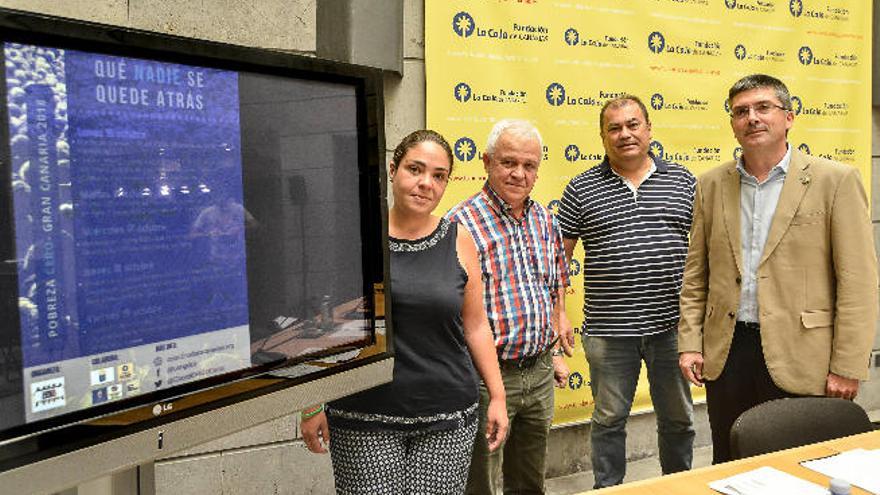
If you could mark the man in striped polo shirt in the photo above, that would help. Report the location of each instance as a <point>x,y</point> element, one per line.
<point>632,213</point>
<point>524,279</point>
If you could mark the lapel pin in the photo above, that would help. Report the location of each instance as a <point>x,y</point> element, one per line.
<point>805,179</point>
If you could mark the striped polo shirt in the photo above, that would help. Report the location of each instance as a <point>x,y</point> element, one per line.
<point>523,266</point>
<point>635,246</point>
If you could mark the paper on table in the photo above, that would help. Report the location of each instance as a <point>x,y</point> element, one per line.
<point>859,467</point>
<point>766,481</point>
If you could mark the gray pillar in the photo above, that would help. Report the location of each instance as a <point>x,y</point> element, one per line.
<point>359,32</point>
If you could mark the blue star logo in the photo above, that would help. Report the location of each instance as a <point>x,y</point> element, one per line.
<point>739,52</point>
<point>553,206</point>
<point>462,92</point>
<point>463,24</point>
<point>656,42</point>
<point>796,7</point>
<point>803,147</point>
<point>572,153</point>
<point>572,37</point>
<point>805,55</point>
<point>796,105</point>
<point>574,267</point>
<point>737,153</point>
<point>657,101</point>
<point>575,380</point>
<point>555,94</point>
<point>656,148</point>
<point>731,4</point>
<point>465,150</point>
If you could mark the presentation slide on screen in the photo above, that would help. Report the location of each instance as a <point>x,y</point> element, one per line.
<point>129,225</point>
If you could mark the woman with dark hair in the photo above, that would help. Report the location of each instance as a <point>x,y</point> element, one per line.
<point>415,434</point>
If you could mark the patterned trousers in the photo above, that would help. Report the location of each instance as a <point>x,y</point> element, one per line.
<point>401,462</point>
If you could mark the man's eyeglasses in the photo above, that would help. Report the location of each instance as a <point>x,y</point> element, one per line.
<point>762,108</point>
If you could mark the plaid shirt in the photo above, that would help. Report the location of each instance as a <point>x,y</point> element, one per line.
<point>523,265</point>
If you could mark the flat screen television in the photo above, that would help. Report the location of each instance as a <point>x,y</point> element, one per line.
<point>176,216</point>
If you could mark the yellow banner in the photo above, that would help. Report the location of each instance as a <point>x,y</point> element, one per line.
<point>556,62</point>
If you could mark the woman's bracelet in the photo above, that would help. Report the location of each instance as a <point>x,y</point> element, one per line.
<point>314,412</point>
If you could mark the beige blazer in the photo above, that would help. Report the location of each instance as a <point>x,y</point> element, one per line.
<point>817,278</point>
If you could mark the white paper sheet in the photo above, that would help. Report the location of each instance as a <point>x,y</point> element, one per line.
<point>766,481</point>
<point>859,467</point>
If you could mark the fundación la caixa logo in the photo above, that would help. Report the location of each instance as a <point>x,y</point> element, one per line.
<point>574,267</point>
<point>462,92</point>
<point>656,147</point>
<point>463,24</point>
<point>657,101</point>
<point>697,154</point>
<point>573,154</point>
<point>656,42</point>
<point>796,105</point>
<point>606,41</point>
<point>575,380</point>
<point>465,149</point>
<point>846,155</point>
<point>555,94</point>
<point>750,5</point>
<point>798,8</point>
<point>805,55</point>
<point>737,153</point>
<point>740,52</point>
<point>572,37</point>
<point>826,109</point>
<point>702,47</point>
<point>690,103</point>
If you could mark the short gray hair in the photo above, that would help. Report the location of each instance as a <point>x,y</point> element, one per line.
<point>755,81</point>
<point>517,127</point>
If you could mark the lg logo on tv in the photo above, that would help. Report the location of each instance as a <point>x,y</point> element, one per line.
<point>163,408</point>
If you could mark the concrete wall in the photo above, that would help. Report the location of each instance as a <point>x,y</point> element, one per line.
<point>269,458</point>
<point>278,24</point>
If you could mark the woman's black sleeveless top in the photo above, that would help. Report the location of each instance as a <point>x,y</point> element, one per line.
<point>434,384</point>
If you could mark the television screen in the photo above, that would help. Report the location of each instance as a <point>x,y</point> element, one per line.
<point>170,224</point>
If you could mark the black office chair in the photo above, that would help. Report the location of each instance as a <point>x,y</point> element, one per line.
<point>786,423</point>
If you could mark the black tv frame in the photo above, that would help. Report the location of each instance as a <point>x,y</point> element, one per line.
<point>35,442</point>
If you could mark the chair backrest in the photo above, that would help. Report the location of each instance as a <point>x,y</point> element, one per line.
<point>786,423</point>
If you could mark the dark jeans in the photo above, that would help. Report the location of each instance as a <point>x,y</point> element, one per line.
<point>743,384</point>
<point>615,364</point>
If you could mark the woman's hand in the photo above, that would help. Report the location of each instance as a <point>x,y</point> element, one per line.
<point>496,423</point>
<point>315,433</point>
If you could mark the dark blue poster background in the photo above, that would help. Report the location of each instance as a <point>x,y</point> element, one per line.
<point>150,225</point>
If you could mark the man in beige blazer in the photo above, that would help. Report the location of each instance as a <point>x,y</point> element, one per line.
<point>780,284</point>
